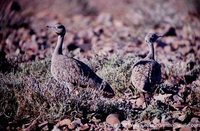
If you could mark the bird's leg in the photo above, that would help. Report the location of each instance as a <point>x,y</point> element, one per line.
<point>147,99</point>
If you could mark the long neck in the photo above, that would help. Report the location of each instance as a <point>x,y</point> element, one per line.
<point>58,49</point>
<point>151,51</point>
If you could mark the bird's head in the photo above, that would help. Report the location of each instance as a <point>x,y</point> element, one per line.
<point>152,37</point>
<point>59,29</point>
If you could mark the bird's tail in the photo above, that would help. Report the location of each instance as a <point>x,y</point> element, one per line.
<point>107,89</point>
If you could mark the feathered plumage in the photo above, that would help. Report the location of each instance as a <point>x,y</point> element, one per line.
<point>73,72</point>
<point>146,73</point>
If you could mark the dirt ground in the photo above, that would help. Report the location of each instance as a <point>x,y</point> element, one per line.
<point>109,37</point>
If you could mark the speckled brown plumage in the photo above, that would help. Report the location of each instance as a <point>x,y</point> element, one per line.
<point>146,73</point>
<point>73,72</point>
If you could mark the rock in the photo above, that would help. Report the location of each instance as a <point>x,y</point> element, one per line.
<point>140,102</point>
<point>136,127</point>
<point>44,125</point>
<point>55,128</point>
<point>161,97</point>
<point>182,117</point>
<point>105,19</point>
<point>95,120</point>
<point>33,125</point>
<point>64,122</point>
<point>82,34</point>
<point>166,125</point>
<point>75,124</point>
<point>194,122</point>
<point>72,126</point>
<point>156,121</point>
<point>41,14</point>
<point>86,47</point>
<point>118,23</point>
<point>176,98</point>
<point>185,128</point>
<point>126,124</point>
<point>84,127</point>
<point>106,49</point>
<point>113,119</point>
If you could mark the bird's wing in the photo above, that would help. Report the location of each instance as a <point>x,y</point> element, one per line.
<point>140,74</point>
<point>86,76</point>
<point>156,73</point>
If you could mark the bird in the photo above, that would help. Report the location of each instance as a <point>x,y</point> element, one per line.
<point>146,73</point>
<point>73,72</point>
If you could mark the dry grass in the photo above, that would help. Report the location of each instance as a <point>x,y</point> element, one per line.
<point>29,92</point>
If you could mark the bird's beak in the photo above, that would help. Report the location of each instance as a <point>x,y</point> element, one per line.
<point>50,27</point>
<point>159,37</point>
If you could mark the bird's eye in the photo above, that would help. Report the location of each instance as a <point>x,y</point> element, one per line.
<point>154,36</point>
<point>59,27</point>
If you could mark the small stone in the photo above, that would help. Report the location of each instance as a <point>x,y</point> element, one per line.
<point>156,121</point>
<point>72,126</point>
<point>140,102</point>
<point>166,125</point>
<point>126,124</point>
<point>105,19</point>
<point>43,125</point>
<point>75,124</point>
<point>185,129</point>
<point>118,23</point>
<point>182,117</point>
<point>161,97</point>
<point>41,14</point>
<point>95,120</point>
<point>55,128</point>
<point>113,119</point>
<point>64,122</point>
<point>194,122</point>
<point>84,127</point>
<point>174,45</point>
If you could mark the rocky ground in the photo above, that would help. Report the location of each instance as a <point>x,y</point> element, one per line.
<point>109,37</point>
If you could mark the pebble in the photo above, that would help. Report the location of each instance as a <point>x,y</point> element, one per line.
<point>126,124</point>
<point>113,119</point>
<point>64,122</point>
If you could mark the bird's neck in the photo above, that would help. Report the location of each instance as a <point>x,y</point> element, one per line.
<point>58,49</point>
<point>151,52</point>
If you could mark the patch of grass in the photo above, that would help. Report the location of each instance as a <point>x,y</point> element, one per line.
<point>19,90</point>
<point>117,71</point>
<point>30,91</point>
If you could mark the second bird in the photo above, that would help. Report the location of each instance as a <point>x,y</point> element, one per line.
<point>146,73</point>
<point>73,72</point>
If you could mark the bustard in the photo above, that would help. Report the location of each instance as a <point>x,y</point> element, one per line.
<point>146,73</point>
<point>73,72</point>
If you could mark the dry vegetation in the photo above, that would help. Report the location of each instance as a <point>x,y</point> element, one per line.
<point>110,41</point>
